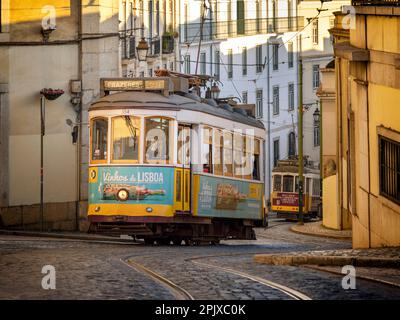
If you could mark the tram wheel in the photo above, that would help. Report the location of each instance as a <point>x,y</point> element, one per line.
<point>148,241</point>
<point>176,241</point>
<point>164,241</point>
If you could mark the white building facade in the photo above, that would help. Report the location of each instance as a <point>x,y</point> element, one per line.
<point>251,47</point>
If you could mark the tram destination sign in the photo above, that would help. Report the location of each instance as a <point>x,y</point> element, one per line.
<point>161,84</point>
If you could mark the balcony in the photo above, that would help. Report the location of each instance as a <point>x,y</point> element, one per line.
<point>237,28</point>
<point>376,3</point>
<point>168,42</point>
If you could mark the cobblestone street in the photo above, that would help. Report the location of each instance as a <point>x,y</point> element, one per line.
<point>94,270</point>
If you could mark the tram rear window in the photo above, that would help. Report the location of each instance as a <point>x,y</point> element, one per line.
<point>99,139</point>
<point>287,183</point>
<point>125,136</point>
<point>277,183</point>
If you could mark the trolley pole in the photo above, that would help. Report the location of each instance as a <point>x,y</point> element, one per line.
<point>300,163</point>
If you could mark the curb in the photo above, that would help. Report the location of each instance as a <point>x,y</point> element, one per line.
<point>292,228</point>
<point>292,260</point>
<point>63,236</point>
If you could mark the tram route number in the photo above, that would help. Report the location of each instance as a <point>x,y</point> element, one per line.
<point>212,310</point>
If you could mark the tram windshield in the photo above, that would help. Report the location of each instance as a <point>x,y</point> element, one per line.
<point>287,183</point>
<point>125,136</point>
<point>277,183</point>
<point>99,139</point>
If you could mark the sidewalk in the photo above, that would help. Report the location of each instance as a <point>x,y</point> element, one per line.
<point>65,235</point>
<point>381,264</point>
<point>317,229</point>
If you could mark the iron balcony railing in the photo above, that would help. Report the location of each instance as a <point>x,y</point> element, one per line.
<point>190,32</point>
<point>387,3</point>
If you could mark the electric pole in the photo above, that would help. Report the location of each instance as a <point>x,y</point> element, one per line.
<point>300,163</point>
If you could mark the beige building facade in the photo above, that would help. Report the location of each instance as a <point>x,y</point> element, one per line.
<point>67,45</point>
<point>367,72</point>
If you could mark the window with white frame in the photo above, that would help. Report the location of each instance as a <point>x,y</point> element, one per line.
<point>290,54</point>
<point>203,63</point>
<point>275,57</point>
<point>315,76</point>
<point>259,103</point>
<point>244,97</point>
<point>187,64</point>
<point>244,61</point>
<point>291,97</point>
<point>230,64</point>
<point>276,151</point>
<point>259,63</point>
<point>315,35</point>
<point>217,65</point>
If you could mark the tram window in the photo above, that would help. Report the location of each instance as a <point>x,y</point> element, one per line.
<point>238,158</point>
<point>183,145</point>
<point>157,140</point>
<point>256,160</point>
<point>316,187</point>
<point>278,183</point>
<point>228,158</point>
<point>99,139</point>
<point>287,183</point>
<point>296,184</point>
<point>218,152</point>
<point>207,150</point>
<point>125,136</point>
<point>247,157</point>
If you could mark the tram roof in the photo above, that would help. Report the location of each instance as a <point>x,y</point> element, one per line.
<point>151,100</point>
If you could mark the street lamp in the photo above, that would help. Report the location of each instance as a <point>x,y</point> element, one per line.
<point>45,94</point>
<point>316,116</point>
<point>142,50</point>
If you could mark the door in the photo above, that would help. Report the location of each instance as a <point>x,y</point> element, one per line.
<point>182,172</point>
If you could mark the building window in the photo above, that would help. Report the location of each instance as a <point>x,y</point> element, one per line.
<point>171,66</point>
<point>275,100</point>
<point>259,104</point>
<point>157,17</point>
<point>244,97</point>
<point>315,35</point>
<point>185,26</point>
<point>203,63</point>
<point>290,54</point>
<point>157,140</point>
<point>290,16</point>
<point>258,15</point>
<point>240,17</point>
<point>230,64</point>
<point>150,72</point>
<point>187,64</point>
<point>292,144</point>
<point>316,135</point>
<point>315,76</point>
<point>275,57</point>
<point>389,169</point>
<point>125,138</point>
<point>259,63</point>
<point>276,152</point>
<point>244,61</point>
<point>150,6</point>
<point>229,17</point>
<point>291,97</point>
<point>217,65</point>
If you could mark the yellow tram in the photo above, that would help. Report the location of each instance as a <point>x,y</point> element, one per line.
<point>167,166</point>
<point>285,192</point>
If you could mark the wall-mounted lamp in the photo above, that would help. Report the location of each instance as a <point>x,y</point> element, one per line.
<point>142,50</point>
<point>75,130</point>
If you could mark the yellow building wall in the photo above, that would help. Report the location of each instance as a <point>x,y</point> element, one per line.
<point>385,214</point>
<point>331,219</point>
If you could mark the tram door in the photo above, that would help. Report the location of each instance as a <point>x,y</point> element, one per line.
<point>182,173</point>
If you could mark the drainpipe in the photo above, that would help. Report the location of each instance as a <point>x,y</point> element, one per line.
<point>339,147</point>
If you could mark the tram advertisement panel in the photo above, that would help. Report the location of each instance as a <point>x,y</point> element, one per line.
<point>227,198</point>
<point>150,185</point>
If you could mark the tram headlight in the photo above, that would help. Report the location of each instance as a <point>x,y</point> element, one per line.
<point>149,209</point>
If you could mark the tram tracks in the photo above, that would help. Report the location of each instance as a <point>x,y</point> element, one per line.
<point>181,293</point>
